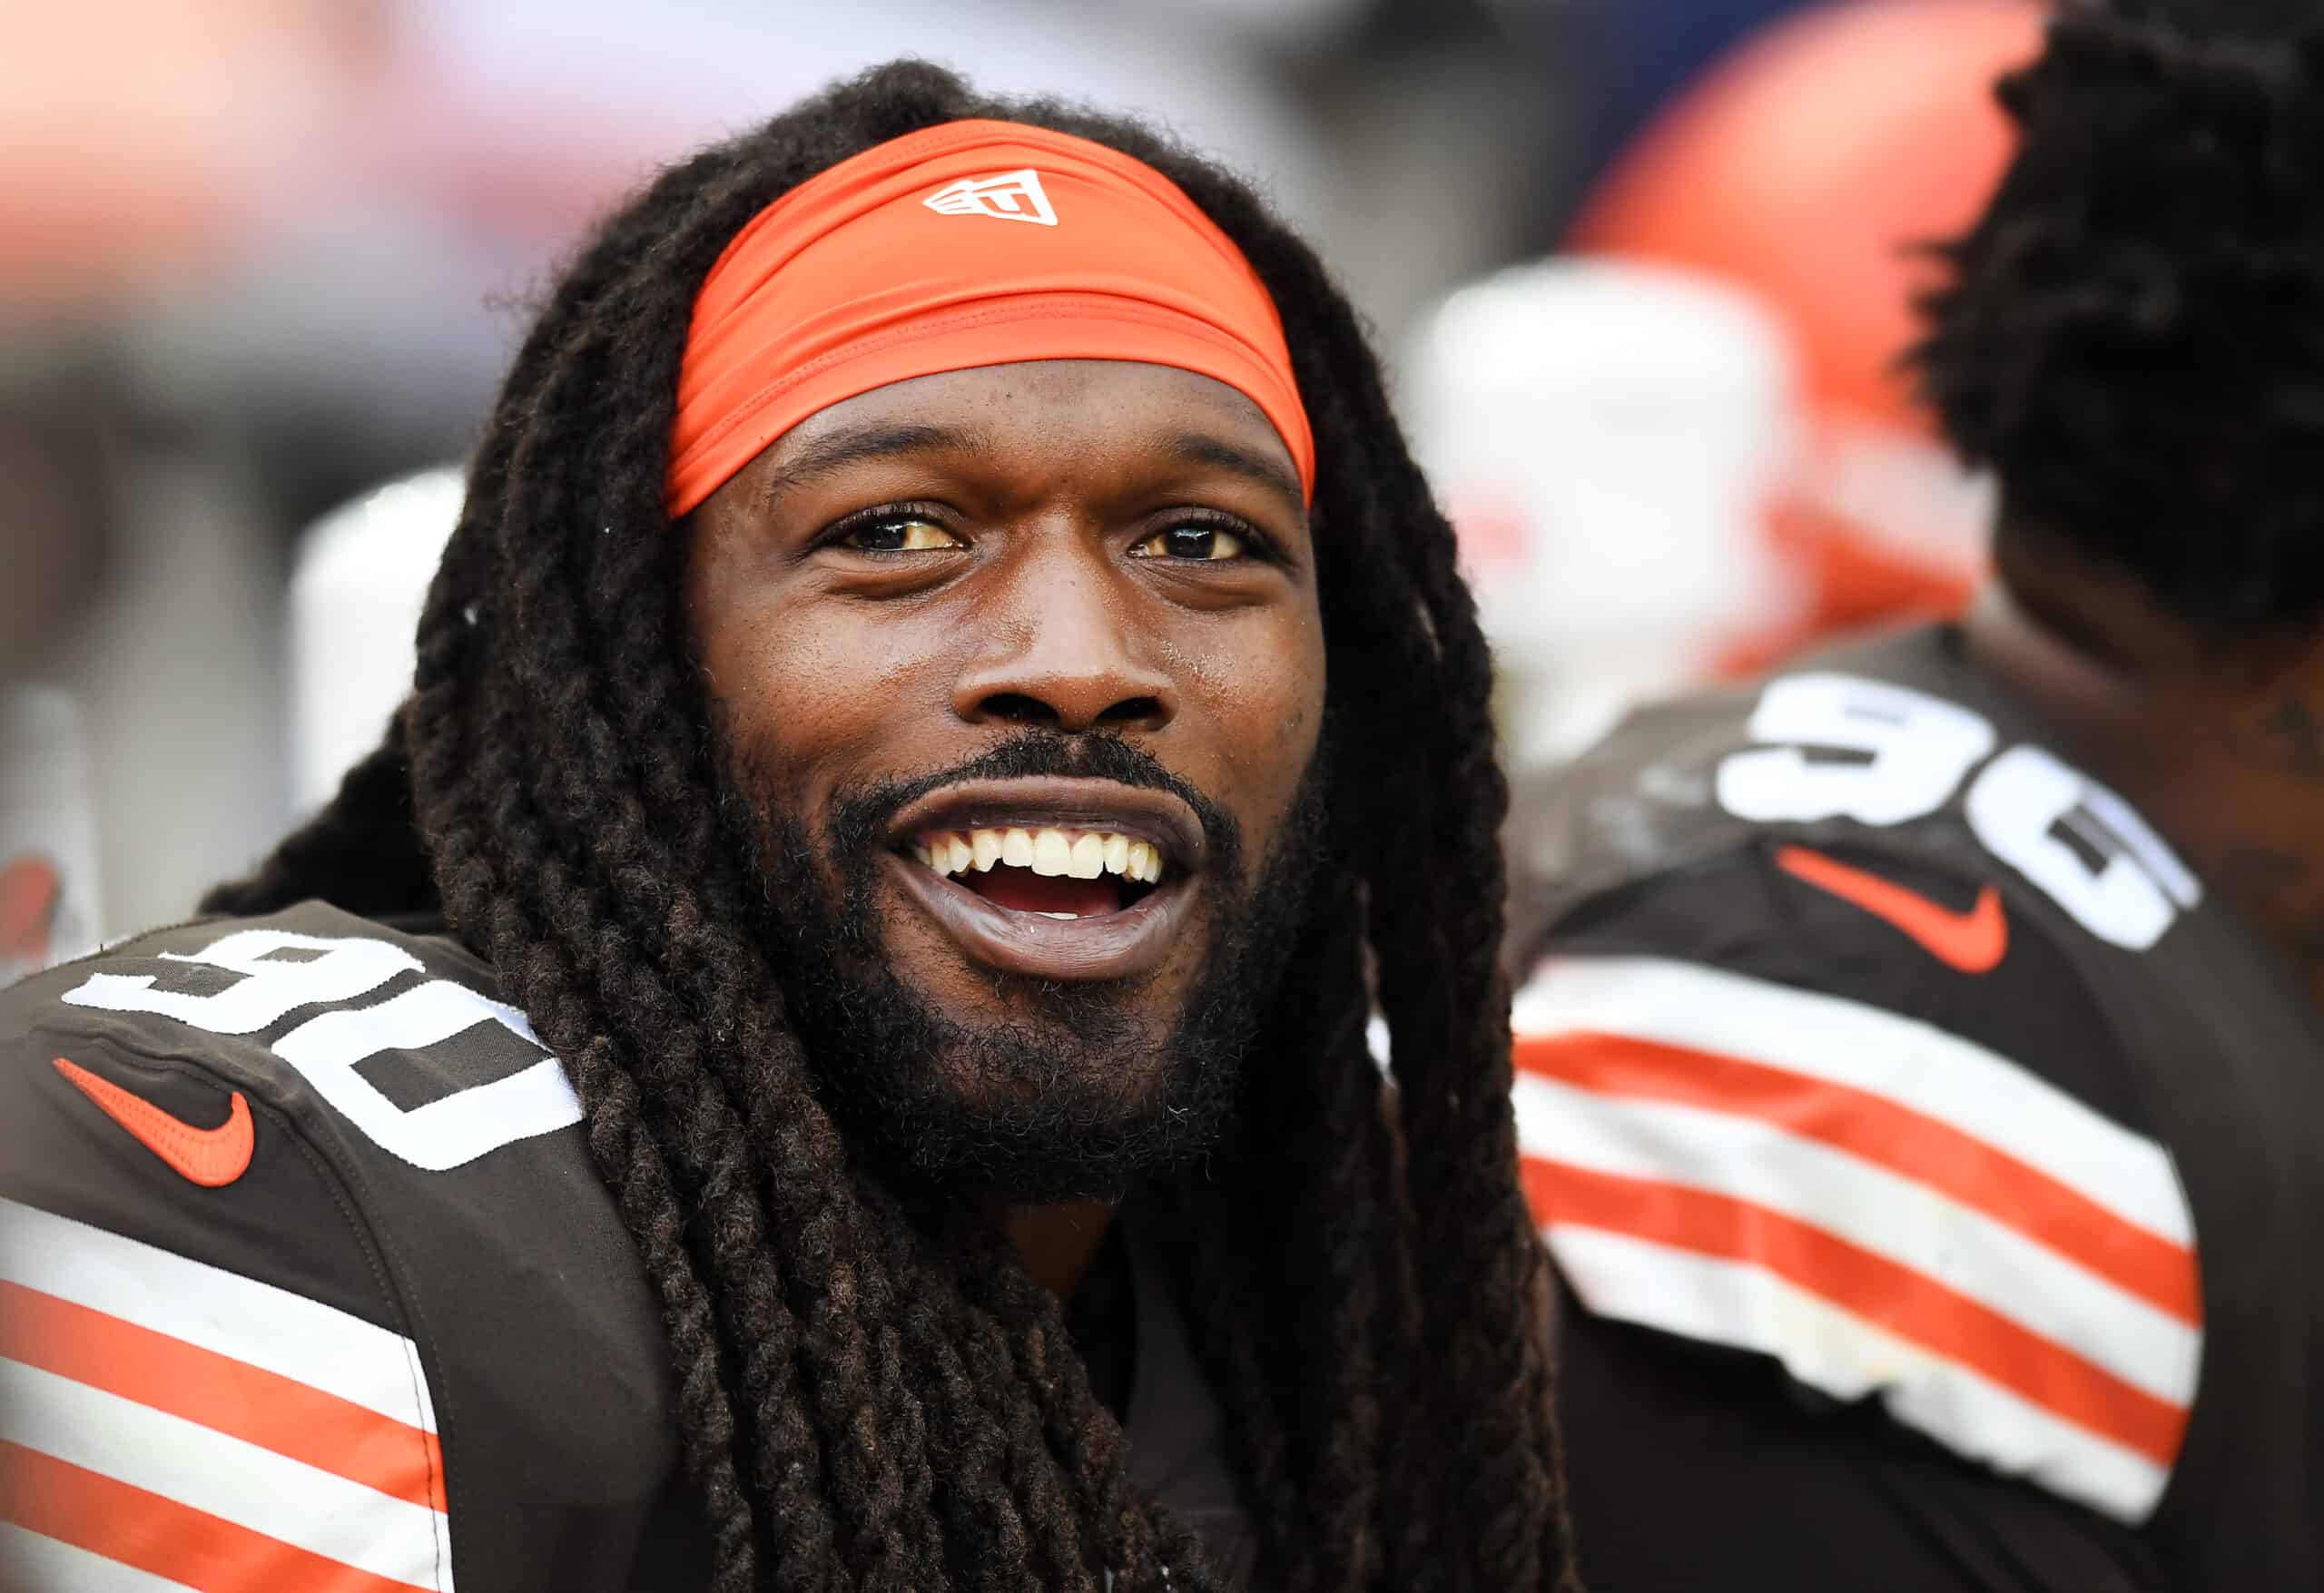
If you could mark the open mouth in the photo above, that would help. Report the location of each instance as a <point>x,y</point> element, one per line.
<point>1053,879</point>
<point>1061,874</point>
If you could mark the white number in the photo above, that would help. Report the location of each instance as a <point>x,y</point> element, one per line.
<point>2025,794</point>
<point>337,970</point>
<point>440,1134</point>
<point>1921,747</point>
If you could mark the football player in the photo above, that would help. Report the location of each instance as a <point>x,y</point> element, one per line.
<point>1921,1071</point>
<point>827,1049</point>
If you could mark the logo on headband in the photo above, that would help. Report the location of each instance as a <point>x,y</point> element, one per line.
<point>1012,196</point>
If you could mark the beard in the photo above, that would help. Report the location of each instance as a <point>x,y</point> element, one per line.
<point>1060,1089</point>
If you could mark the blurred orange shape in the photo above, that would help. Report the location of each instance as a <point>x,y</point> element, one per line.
<point>138,137</point>
<point>1808,164</point>
<point>31,890</point>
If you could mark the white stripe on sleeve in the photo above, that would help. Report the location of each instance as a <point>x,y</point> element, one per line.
<point>1912,1064</point>
<point>253,1322</point>
<point>1916,1227</point>
<point>1745,1307</point>
<point>240,1482</point>
<point>32,1563</point>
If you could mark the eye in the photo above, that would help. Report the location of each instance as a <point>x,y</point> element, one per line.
<point>1209,544</point>
<point>900,534</point>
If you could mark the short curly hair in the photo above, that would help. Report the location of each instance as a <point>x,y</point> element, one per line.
<point>2131,336</point>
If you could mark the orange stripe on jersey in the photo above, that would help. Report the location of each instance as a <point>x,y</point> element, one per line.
<point>222,1393</point>
<point>1907,1302</point>
<point>160,1536</point>
<point>1896,1137</point>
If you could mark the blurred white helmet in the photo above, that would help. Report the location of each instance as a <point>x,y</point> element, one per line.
<point>48,833</point>
<point>1606,438</point>
<point>360,574</point>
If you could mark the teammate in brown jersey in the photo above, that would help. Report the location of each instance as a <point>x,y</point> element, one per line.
<point>1921,1073</point>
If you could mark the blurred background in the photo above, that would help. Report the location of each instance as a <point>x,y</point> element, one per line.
<point>1640,266</point>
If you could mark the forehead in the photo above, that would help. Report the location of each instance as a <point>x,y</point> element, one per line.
<point>1095,404</point>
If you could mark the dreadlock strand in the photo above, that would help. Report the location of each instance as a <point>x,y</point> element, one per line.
<point>1080,1435</point>
<point>764,1336</point>
<point>643,1193</point>
<point>622,1141</point>
<point>838,1333</point>
<point>1476,1244</point>
<point>809,1548</point>
<point>1341,1408</point>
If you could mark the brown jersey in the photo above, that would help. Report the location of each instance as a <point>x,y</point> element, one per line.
<point>1938,1168</point>
<point>309,1280</point>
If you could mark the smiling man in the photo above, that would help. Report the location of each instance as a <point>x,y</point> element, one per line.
<point>1045,951</point>
<point>828,1049</point>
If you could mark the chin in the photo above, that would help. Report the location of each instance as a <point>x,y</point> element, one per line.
<point>1034,1103</point>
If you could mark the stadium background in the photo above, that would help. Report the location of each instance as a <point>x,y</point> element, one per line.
<point>1640,265</point>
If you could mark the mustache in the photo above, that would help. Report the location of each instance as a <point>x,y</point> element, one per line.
<point>860,819</point>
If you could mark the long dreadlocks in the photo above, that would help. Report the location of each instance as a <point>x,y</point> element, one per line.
<point>873,1400</point>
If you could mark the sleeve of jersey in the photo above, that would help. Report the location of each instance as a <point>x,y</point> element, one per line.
<point>1848,1113</point>
<point>199,1383</point>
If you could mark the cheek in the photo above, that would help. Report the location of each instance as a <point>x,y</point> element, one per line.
<point>812,697</point>
<point>1264,700</point>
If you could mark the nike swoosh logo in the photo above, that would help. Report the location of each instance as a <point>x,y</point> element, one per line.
<point>212,1158</point>
<point>1971,941</point>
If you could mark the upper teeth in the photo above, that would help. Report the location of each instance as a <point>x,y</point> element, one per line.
<point>1079,854</point>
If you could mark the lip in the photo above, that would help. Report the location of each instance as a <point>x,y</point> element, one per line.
<point>1109,946</point>
<point>1154,816</point>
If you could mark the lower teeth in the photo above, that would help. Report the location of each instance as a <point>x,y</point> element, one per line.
<point>1067,916</point>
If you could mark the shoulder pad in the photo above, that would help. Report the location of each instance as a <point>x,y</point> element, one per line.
<point>348,1025</point>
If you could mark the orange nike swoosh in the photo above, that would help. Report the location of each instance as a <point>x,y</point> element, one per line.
<point>1971,941</point>
<point>212,1158</point>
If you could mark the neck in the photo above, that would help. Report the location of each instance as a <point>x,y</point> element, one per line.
<point>2222,749</point>
<point>1057,1243</point>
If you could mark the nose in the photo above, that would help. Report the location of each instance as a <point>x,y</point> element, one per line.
<point>1061,648</point>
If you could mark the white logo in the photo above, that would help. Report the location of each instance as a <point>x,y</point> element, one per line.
<point>1012,196</point>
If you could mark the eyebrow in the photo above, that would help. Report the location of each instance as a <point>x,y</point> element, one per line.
<point>881,440</point>
<point>1196,448</point>
<point>872,441</point>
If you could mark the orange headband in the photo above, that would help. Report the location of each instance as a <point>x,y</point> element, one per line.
<point>969,243</point>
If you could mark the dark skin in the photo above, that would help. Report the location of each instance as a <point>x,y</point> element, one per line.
<point>907,577</point>
<point>2222,747</point>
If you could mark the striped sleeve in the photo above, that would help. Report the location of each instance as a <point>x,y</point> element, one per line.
<point>167,1423</point>
<point>1889,1209</point>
